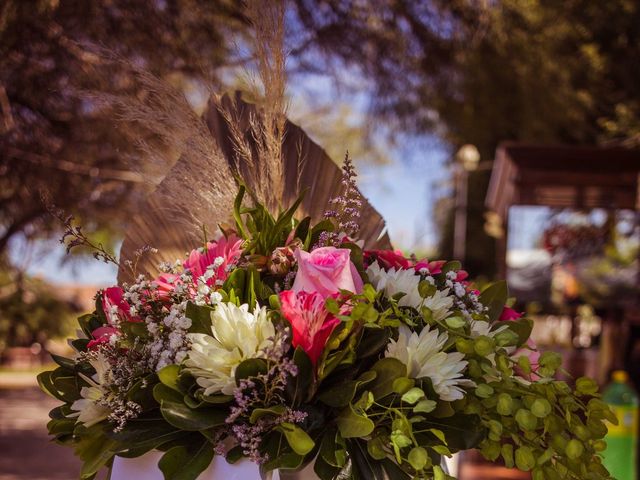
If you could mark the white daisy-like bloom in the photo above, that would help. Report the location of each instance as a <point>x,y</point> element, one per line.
<point>406,281</point>
<point>396,281</point>
<point>88,409</point>
<point>423,356</point>
<point>237,336</point>
<point>439,303</point>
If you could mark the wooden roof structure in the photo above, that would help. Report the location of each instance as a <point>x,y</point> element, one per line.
<point>563,176</point>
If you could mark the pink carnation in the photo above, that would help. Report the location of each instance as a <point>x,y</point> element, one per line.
<point>326,270</point>
<point>115,307</point>
<point>227,250</point>
<point>165,284</point>
<point>310,321</point>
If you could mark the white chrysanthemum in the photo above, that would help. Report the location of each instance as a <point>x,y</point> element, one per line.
<point>88,409</point>
<point>439,303</point>
<point>423,356</point>
<point>237,336</point>
<point>406,281</point>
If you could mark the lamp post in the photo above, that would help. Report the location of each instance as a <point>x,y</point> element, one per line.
<point>467,159</point>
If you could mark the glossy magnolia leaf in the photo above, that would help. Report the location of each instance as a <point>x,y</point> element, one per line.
<point>298,386</point>
<point>495,297</point>
<point>186,462</point>
<point>364,467</point>
<point>147,432</point>
<point>200,316</point>
<point>65,363</point>
<point>324,470</point>
<point>178,414</point>
<point>89,322</point>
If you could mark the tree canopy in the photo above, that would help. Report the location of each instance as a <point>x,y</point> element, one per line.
<point>53,136</point>
<point>538,71</point>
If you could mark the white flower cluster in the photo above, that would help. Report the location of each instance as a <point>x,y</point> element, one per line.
<point>206,294</point>
<point>464,301</point>
<point>406,281</point>
<point>168,329</point>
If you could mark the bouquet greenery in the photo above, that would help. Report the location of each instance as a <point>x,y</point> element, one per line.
<point>286,343</point>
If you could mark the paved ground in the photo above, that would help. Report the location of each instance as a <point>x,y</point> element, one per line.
<point>26,450</point>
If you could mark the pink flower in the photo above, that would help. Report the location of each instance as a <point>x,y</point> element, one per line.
<point>101,336</point>
<point>310,321</point>
<point>387,259</point>
<point>509,314</point>
<point>165,284</point>
<point>115,307</point>
<point>221,253</point>
<point>433,268</point>
<point>461,275</point>
<point>326,270</point>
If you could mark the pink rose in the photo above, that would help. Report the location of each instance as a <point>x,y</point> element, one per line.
<point>115,307</point>
<point>387,259</point>
<point>101,336</point>
<point>310,321</point>
<point>221,254</point>
<point>509,314</point>
<point>326,270</point>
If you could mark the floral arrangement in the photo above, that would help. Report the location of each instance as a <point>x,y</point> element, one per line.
<point>287,343</point>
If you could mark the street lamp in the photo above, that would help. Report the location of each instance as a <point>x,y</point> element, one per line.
<point>467,160</point>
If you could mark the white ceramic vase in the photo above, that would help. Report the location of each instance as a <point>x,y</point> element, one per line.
<point>145,467</point>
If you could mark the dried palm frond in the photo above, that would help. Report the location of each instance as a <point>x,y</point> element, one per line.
<point>256,143</point>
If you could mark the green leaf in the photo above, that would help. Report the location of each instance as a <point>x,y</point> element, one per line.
<point>341,394</point>
<point>403,384</point>
<point>455,322</point>
<point>418,458</point>
<point>89,322</point>
<point>525,459</point>
<point>299,441</point>
<point>65,363</point>
<point>495,297</point>
<point>236,284</point>
<point>186,462</point>
<point>250,368</point>
<point>144,434</point>
<point>179,415</point>
<point>258,413</point>
<point>169,376</point>
<point>298,386</point>
<point>521,327</point>
<point>353,425</point>
<point>425,406</point>
<point>200,316</point>
<point>364,467</point>
<point>387,371</point>
<point>413,395</point>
